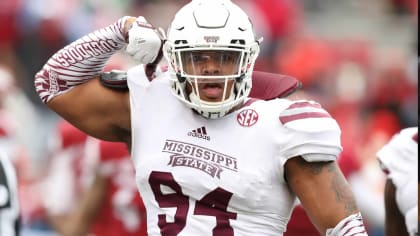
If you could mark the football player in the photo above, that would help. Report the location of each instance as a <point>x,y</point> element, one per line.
<point>399,161</point>
<point>209,159</point>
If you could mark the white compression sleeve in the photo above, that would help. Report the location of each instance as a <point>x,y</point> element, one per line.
<point>349,226</point>
<point>79,61</point>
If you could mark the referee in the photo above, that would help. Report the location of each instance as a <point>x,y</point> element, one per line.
<point>9,202</point>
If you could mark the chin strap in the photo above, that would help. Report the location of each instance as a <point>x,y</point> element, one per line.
<point>209,110</point>
<point>349,226</point>
<point>180,78</point>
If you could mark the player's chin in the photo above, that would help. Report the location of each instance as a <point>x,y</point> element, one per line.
<point>211,99</point>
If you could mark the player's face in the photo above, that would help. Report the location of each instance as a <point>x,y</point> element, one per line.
<point>211,63</point>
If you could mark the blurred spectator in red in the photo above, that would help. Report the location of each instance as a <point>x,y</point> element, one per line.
<point>306,58</point>
<point>275,21</point>
<point>391,88</point>
<point>310,60</point>
<point>100,196</point>
<point>9,30</point>
<point>122,201</point>
<point>283,17</point>
<point>402,7</point>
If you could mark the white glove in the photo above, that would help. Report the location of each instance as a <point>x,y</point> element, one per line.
<point>144,41</point>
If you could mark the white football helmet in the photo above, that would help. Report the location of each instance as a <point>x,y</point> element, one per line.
<point>218,28</point>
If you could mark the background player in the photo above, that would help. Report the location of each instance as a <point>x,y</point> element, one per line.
<point>100,196</point>
<point>399,160</point>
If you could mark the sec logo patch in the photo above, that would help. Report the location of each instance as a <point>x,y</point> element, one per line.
<point>247,118</point>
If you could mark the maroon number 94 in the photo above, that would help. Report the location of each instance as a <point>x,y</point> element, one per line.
<point>214,203</point>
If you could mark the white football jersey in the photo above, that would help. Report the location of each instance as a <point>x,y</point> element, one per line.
<point>224,176</point>
<point>399,159</point>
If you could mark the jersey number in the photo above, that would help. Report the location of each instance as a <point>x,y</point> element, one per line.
<point>212,204</point>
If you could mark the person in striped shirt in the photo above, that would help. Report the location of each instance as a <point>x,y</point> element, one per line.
<point>9,198</point>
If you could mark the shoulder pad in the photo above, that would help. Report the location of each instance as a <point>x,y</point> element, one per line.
<point>114,79</point>
<point>307,116</point>
<point>268,86</point>
<point>312,133</point>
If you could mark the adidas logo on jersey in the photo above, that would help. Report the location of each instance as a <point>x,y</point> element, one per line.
<point>200,133</point>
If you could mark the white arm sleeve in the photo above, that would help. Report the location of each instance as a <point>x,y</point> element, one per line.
<point>349,226</point>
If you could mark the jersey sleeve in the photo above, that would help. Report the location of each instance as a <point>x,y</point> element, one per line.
<point>308,131</point>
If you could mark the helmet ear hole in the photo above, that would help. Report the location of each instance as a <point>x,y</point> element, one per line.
<point>180,78</point>
<point>180,42</point>
<point>240,78</point>
<point>238,41</point>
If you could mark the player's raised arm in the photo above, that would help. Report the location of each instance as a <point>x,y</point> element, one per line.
<point>69,82</point>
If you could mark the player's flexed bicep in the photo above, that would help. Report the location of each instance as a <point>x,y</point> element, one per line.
<point>99,111</point>
<point>68,82</point>
<point>312,173</point>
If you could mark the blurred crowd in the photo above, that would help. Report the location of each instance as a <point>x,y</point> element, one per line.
<point>359,59</point>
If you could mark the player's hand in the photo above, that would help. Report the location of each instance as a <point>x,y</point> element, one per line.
<point>144,41</point>
<point>150,68</point>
